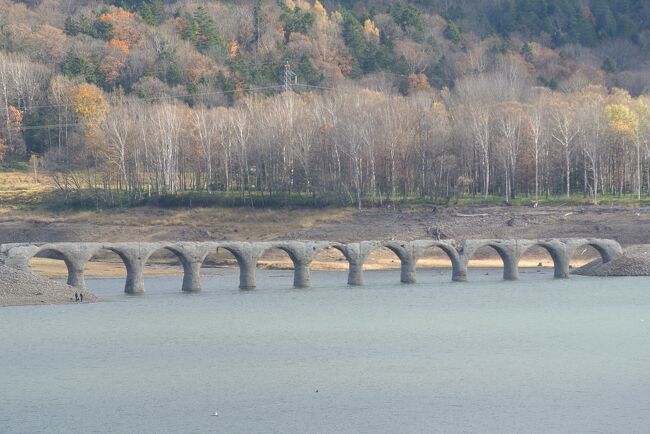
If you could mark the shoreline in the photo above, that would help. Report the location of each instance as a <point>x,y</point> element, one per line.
<point>20,288</point>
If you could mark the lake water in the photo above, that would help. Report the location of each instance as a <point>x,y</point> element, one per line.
<point>534,356</point>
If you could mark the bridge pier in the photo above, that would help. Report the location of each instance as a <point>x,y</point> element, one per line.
<point>134,276</point>
<point>76,276</point>
<point>408,273</point>
<point>192,276</point>
<point>355,274</point>
<point>561,269</point>
<point>134,256</point>
<point>247,275</point>
<point>510,269</point>
<point>301,275</point>
<point>191,256</point>
<point>76,260</point>
<point>459,272</point>
<point>356,254</point>
<point>247,255</point>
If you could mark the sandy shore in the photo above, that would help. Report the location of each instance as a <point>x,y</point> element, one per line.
<point>56,269</point>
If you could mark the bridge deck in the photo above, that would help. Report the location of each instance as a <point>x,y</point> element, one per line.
<point>302,253</point>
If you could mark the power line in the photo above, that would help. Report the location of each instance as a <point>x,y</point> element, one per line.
<point>42,127</point>
<point>288,85</point>
<point>313,86</point>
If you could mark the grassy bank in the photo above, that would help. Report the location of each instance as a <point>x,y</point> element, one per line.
<point>23,190</point>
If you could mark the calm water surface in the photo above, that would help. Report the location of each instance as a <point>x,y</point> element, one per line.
<point>534,356</point>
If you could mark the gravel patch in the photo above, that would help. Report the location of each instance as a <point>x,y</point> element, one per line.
<point>635,261</point>
<point>19,288</point>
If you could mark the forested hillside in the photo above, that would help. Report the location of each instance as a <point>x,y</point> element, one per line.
<point>352,101</point>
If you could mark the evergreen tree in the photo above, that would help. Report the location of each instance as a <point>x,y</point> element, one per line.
<point>152,12</point>
<point>452,33</point>
<point>527,52</point>
<point>208,34</point>
<point>608,66</point>
<point>295,21</point>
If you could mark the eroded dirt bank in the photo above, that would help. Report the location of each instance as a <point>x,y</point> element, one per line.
<point>627,225</point>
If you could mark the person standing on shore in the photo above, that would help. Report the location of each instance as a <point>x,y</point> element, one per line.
<point>76,297</point>
<point>81,297</point>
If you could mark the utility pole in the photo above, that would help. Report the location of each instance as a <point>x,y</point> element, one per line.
<point>289,77</point>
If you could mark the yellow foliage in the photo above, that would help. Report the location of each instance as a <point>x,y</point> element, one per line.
<point>89,103</point>
<point>303,5</point>
<point>622,119</point>
<point>120,45</point>
<point>370,31</point>
<point>438,108</point>
<point>319,9</point>
<point>290,4</point>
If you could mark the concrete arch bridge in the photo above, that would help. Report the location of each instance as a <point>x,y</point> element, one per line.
<point>192,255</point>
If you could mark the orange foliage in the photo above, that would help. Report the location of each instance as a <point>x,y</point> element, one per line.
<point>15,116</point>
<point>345,65</point>
<point>233,50</point>
<point>124,24</point>
<point>111,67</point>
<point>198,66</point>
<point>120,45</point>
<point>418,83</point>
<point>115,15</point>
<point>3,149</point>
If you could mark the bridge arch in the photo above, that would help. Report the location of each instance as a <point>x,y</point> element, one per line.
<point>334,250</point>
<point>73,264</point>
<point>246,255</point>
<point>190,257</point>
<point>399,250</point>
<point>448,249</point>
<point>556,251</point>
<point>506,251</point>
<point>299,267</point>
<point>607,249</point>
<point>331,246</point>
<point>292,252</point>
<point>134,258</point>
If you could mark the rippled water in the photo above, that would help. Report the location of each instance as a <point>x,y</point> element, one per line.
<point>538,355</point>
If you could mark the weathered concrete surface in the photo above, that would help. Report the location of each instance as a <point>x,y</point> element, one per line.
<point>302,253</point>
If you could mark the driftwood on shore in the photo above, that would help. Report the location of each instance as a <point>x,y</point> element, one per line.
<point>471,215</point>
